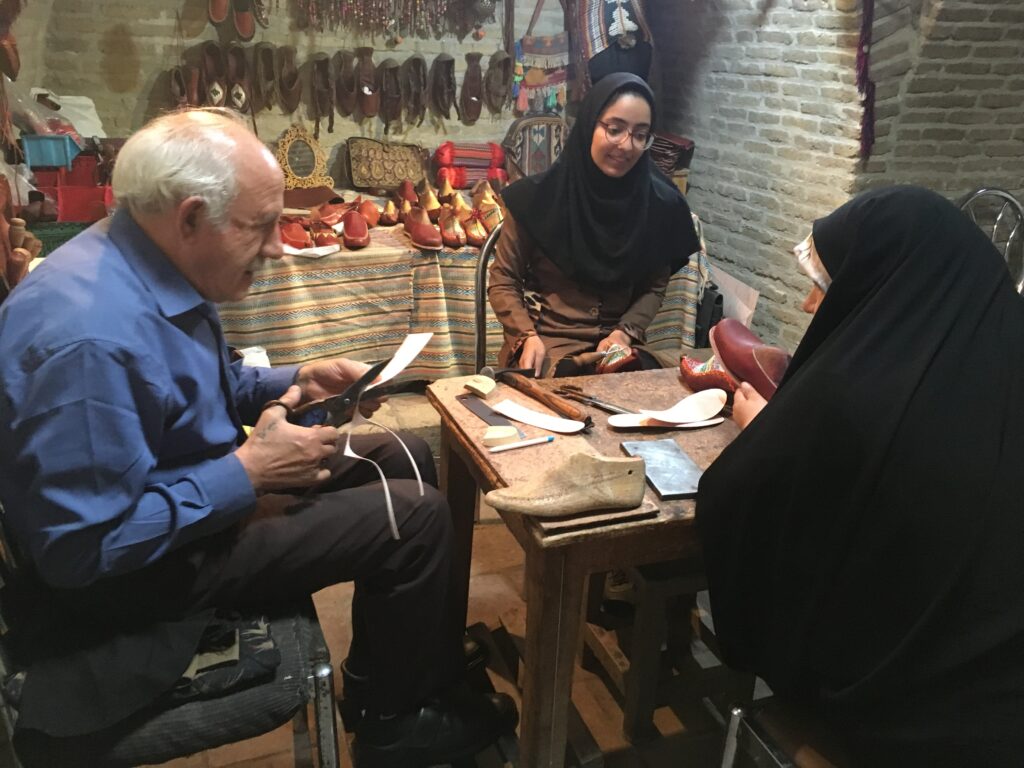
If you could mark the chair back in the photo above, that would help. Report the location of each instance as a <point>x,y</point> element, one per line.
<point>1000,216</point>
<point>480,298</point>
<point>532,144</point>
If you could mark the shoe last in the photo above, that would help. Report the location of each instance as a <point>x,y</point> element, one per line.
<point>430,203</point>
<point>584,483</point>
<point>462,209</point>
<point>443,730</point>
<point>446,191</point>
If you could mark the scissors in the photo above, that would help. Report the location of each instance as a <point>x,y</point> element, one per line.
<point>338,409</point>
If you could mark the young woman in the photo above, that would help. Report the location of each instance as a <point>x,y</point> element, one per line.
<point>588,246</point>
<point>863,535</point>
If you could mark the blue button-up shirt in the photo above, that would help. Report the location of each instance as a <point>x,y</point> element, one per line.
<point>119,413</point>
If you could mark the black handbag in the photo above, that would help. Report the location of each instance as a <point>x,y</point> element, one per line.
<point>709,312</point>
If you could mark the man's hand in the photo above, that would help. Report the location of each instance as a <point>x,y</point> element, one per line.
<point>532,355</point>
<point>616,337</point>
<point>331,377</point>
<point>280,455</point>
<point>746,404</point>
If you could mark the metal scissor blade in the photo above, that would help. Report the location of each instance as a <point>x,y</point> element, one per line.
<point>339,408</point>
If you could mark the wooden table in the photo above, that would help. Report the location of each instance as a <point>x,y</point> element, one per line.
<point>558,563</point>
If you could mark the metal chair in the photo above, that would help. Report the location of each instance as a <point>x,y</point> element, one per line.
<point>1001,216</point>
<point>304,677</point>
<point>480,298</point>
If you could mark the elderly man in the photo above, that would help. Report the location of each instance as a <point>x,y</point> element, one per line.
<point>141,507</point>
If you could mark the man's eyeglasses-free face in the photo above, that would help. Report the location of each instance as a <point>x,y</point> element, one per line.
<point>616,134</point>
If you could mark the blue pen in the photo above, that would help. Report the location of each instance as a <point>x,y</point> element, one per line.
<point>522,444</point>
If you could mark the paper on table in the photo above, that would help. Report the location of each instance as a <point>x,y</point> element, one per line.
<point>412,346</point>
<point>312,253</point>
<point>535,419</point>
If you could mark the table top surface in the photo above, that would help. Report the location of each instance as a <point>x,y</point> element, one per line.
<point>643,389</point>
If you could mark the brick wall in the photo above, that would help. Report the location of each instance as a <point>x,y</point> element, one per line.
<point>118,53</point>
<point>767,90</point>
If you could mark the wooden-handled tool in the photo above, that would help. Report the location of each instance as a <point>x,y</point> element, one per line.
<point>559,405</point>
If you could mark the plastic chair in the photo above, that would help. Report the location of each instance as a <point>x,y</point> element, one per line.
<point>1001,216</point>
<point>480,298</point>
<point>304,676</point>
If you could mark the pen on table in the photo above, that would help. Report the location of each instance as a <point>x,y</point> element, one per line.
<point>522,444</point>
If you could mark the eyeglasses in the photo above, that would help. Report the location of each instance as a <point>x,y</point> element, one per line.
<point>616,134</point>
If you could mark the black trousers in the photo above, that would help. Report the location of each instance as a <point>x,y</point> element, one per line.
<point>110,647</point>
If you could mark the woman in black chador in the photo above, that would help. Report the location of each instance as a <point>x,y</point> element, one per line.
<point>864,535</point>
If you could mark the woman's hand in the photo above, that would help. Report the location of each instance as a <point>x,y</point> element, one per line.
<point>616,337</point>
<point>746,404</point>
<point>532,355</point>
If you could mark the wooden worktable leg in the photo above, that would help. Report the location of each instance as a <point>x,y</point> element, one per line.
<point>458,485</point>
<point>554,605</point>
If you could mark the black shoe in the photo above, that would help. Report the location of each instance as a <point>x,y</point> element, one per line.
<point>354,688</point>
<point>450,727</point>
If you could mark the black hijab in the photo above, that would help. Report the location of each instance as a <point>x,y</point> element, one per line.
<point>863,537</point>
<point>597,228</point>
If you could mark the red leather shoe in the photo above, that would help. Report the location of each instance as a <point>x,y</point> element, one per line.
<point>245,22</point>
<point>476,232</point>
<point>370,212</point>
<point>218,11</point>
<point>324,236</point>
<point>356,233</point>
<point>331,212</point>
<point>407,191</point>
<point>746,358</point>
<point>615,361</point>
<point>705,375</point>
<point>295,235</point>
<point>422,233</point>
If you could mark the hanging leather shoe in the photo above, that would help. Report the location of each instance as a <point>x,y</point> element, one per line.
<point>471,95</point>
<point>584,483</point>
<point>389,86</point>
<point>423,234</point>
<point>10,59</point>
<point>345,83</point>
<point>442,86</point>
<point>264,81</point>
<point>356,232</point>
<point>414,89</point>
<point>239,88</point>
<point>245,22</point>
<point>289,85</point>
<point>367,89</point>
<point>322,92</point>
<point>179,87</point>
<point>452,233</point>
<point>498,82</point>
<point>389,216</point>
<point>214,74</point>
<point>217,10</point>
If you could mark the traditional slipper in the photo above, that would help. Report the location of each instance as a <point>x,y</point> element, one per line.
<point>423,234</point>
<point>368,90</point>
<point>705,375</point>
<point>452,233</point>
<point>355,233</point>
<point>746,358</point>
<point>322,92</point>
<point>289,86</point>
<point>370,212</point>
<point>471,95</point>
<point>264,82</point>
<point>245,22</point>
<point>414,88</point>
<point>389,216</point>
<point>217,11</point>
<point>239,88</point>
<point>345,83</point>
<point>214,74</point>
<point>10,60</point>
<point>179,87</point>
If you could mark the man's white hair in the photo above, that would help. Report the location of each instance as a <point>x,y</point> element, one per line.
<point>180,155</point>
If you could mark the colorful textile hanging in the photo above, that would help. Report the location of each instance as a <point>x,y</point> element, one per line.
<point>419,18</point>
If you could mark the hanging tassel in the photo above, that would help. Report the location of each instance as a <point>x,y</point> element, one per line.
<point>864,84</point>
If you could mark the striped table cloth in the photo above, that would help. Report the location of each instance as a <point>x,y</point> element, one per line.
<point>362,304</point>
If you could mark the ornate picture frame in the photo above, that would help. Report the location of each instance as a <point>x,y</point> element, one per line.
<point>303,168</point>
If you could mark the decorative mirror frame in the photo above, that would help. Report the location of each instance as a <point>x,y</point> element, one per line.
<point>319,177</point>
